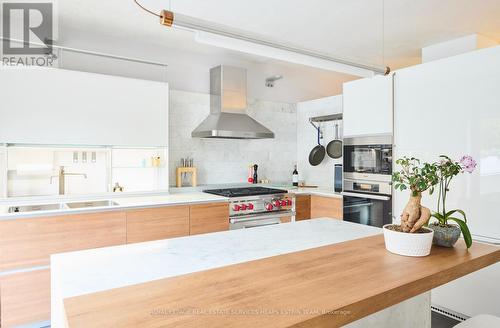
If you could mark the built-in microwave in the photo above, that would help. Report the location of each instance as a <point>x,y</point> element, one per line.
<point>368,155</point>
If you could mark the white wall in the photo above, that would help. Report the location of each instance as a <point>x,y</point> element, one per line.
<point>227,160</point>
<point>321,175</point>
<point>456,47</point>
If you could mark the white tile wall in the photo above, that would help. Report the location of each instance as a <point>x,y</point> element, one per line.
<point>227,161</point>
<point>30,170</point>
<point>132,168</point>
<point>321,175</point>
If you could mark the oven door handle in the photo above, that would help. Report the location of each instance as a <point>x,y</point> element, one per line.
<point>269,215</point>
<point>369,196</point>
<point>358,205</point>
<point>262,225</point>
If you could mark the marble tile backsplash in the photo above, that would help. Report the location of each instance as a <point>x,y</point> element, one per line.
<point>224,160</point>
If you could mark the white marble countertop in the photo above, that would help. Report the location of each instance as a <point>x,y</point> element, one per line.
<point>315,191</point>
<point>123,202</point>
<point>83,272</point>
<point>178,196</point>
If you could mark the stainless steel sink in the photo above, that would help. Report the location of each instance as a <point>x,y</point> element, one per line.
<point>32,208</point>
<point>98,203</point>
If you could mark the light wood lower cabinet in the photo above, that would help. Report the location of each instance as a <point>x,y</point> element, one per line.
<point>326,207</point>
<point>30,242</point>
<point>24,298</point>
<point>302,207</point>
<point>206,218</point>
<point>157,223</point>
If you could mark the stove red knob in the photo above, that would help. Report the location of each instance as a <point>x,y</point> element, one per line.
<point>250,206</point>
<point>277,203</point>
<point>269,207</point>
<point>289,202</point>
<point>243,207</point>
<point>283,203</point>
<point>236,208</point>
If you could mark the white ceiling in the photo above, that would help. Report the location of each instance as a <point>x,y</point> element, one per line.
<point>389,32</point>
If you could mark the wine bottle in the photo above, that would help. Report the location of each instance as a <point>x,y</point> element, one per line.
<point>295,177</point>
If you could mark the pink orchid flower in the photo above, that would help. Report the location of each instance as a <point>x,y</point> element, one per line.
<point>467,163</point>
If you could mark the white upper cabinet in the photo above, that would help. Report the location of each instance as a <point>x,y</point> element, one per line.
<point>368,106</point>
<point>56,106</point>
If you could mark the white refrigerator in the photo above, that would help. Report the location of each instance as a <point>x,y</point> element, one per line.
<point>452,107</point>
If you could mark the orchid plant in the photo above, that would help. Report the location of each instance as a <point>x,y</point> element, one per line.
<point>447,169</point>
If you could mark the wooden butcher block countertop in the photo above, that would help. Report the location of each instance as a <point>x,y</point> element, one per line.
<point>327,286</point>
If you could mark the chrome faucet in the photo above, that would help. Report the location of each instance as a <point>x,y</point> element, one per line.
<point>62,177</point>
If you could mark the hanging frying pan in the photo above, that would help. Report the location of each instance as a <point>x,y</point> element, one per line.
<point>334,147</point>
<point>317,154</point>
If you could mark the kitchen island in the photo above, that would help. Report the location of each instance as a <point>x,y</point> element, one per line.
<point>316,273</point>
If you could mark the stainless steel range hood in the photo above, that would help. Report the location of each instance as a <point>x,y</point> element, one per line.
<point>228,103</point>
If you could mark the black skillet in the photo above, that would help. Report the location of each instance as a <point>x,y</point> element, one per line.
<point>317,154</point>
<point>334,147</point>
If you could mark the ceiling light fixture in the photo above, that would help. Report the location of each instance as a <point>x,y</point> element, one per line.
<point>243,41</point>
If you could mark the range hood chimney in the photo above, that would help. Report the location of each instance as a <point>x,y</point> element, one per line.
<point>228,103</point>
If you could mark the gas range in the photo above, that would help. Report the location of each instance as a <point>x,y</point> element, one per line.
<point>257,206</point>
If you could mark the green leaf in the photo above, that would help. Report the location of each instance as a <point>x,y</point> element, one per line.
<point>437,216</point>
<point>440,218</point>
<point>465,231</point>
<point>449,213</point>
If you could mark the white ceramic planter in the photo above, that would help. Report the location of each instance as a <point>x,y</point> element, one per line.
<point>408,244</point>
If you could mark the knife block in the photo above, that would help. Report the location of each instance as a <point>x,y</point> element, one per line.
<point>188,171</point>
